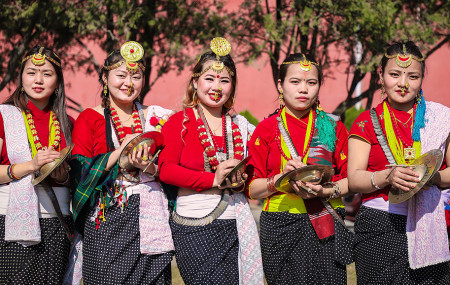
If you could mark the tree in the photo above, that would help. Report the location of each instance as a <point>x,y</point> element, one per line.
<point>315,27</point>
<point>169,30</point>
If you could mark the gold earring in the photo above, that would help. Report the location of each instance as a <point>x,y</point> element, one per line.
<point>105,89</point>
<point>383,91</point>
<point>281,97</point>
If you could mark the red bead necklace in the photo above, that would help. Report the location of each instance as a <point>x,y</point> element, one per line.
<point>278,136</point>
<point>137,127</point>
<point>37,141</point>
<point>211,147</point>
<point>398,134</point>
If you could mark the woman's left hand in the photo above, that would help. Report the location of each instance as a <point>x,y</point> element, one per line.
<point>309,191</point>
<point>61,173</point>
<point>140,156</point>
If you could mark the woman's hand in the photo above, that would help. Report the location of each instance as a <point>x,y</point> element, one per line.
<point>403,178</point>
<point>140,156</point>
<point>222,170</point>
<point>42,157</point>
<point>61,173</point>
<point>293,164</point>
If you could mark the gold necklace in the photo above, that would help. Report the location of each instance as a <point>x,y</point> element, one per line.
<point>405,123</point>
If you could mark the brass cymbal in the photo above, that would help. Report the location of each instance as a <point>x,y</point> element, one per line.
<point>315,174</point>
<point>153,139</point>
<point>240,167</point>
<point>426,166</point>
<point>48,168</point>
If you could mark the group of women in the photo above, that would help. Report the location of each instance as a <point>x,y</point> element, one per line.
<point>119,218</point>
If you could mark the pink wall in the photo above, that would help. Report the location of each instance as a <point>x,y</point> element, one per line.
<point>256,91</point>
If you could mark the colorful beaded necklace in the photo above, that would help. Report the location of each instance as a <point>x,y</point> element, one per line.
<point>36,140</point>
<point>137,126</point>
<point>310,126</point>
<point>211,147</point>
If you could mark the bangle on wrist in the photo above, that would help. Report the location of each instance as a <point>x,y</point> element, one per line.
<point>148,165</point>
<point>372,181</point>
<point>10,172</point>
<point>336,191</point>
<point>271,184</point>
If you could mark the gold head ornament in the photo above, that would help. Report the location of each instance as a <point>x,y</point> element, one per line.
<point>39,58</point>
<point>221,47</point>
<point>305,64</point>
<point>131,52</point>
<point>404,59</point>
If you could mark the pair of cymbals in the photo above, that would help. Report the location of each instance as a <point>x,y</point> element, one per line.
<point>426,166</point>
<point>48,168</point>
<point>315,174</point>
<point>153,139</point>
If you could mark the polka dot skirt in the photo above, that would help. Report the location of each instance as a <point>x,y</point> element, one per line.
<point>293,254</point>
<point>111,254</point>
<point>43,263</point>
<point>207,254</point>
<point>381,252</point>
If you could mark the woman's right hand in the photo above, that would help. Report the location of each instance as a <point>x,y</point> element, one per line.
<point>403,178</point>
<point>293,164</point>
<point>222,170</point>
<point>44,156</point>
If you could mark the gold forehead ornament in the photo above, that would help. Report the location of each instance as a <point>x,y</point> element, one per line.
<point>221,47</point>
<point>131,52</point>
<point>404,59</point>
<point>39,58</point>
<point>305,64</point>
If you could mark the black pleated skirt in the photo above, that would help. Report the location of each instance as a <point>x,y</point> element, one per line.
<point>381,252</point>
<point>207,254</point>
<point>293,254</point>
<point>111,254</point>
<point>43,263</point>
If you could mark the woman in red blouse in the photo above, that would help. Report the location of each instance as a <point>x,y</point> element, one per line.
<point>299,240</point>
<point>34,127</point>
<point>122,214</point>
<point>214,233</point>
<point>401,243</point>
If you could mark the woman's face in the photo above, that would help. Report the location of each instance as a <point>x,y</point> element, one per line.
<point>124,87</point>
<point>402,84</point>
<point>300,88</point>
<point>39,82</point>
<point>213,89</point>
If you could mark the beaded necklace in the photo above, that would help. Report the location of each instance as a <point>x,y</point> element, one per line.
<point>311,125</point>
<point>36,140</point>
<point>409,151</point>
<point>210,146</point>
<point>137,126</point>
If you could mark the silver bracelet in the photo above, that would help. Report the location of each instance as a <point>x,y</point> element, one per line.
<point>373,182</point>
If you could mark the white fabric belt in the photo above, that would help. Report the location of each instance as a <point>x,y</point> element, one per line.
<point>46,209</point>
<point>380,204</point>
<point>200,205</point>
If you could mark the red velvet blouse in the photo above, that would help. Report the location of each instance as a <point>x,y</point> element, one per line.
<point>41,120</point>
<point>89,134</point>
<point>265,152</point>
<point>181,160</point>
<point>363,128</point>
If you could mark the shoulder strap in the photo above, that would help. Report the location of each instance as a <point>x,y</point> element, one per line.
<point>380,137</point>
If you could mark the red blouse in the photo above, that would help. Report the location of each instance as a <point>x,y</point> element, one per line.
<point>363,128</point>
<point>41,120</point>
<point>89,134</point>
<point>181,161</point>
<point>265,152</point>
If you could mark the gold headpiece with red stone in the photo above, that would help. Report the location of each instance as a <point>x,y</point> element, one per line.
<point>221,47</point>
<point>131,52</point>
<point>39,58</point>
<point>404,59</point>
<point>305,64</point>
